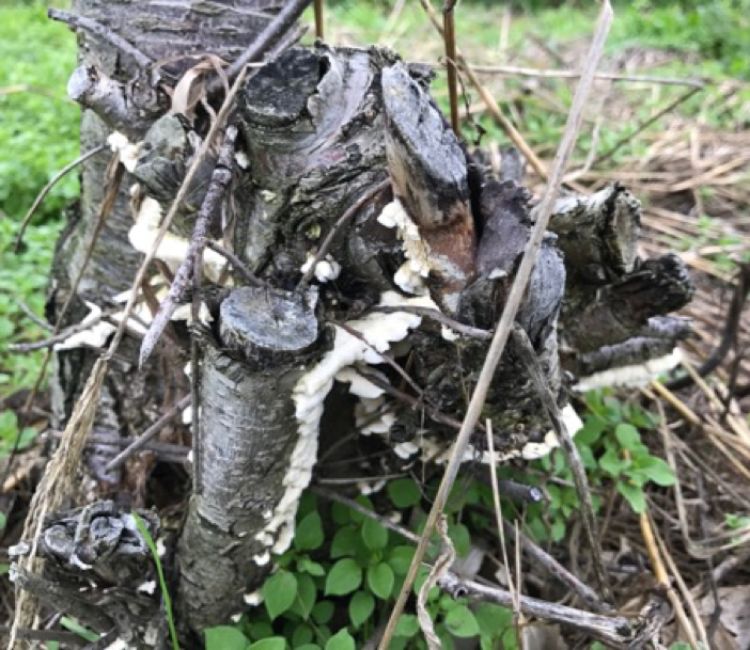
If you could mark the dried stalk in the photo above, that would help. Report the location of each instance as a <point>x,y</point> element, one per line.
<point>449,37</point>
<point>528,356</point>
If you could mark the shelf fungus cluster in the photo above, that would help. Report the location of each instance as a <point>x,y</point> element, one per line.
<point>389,334</point>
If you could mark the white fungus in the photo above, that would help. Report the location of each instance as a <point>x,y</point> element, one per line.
<point>376,333</point>
<point>126,150</point>
<point>410,276</point>
<point>148,587</point>
<point>253,599</point>
<point>172,249</point>
<point>325,270</point>
<point>634,375</point>
<point>261,559</point>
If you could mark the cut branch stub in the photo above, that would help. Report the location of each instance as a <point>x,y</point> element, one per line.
<point>112,102</point>
<point>264,323</point>
<point>598,233</point>
<point>91,550</point>
<point>621,309</point>
<point>245,504</point>
<point>429,174</point>
<point>312,124</point>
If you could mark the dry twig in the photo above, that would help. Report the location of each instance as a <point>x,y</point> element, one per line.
<point>528,357</point>
<point>46,190</point>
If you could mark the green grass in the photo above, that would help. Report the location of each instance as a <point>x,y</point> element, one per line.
<point>38,123</point>
<point>39,132</point>
<point>706,41</point>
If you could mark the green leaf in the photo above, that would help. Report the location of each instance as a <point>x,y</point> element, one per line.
<point>627,435</point>
<point>591,430</point>
<point>461,622</point>
<point>404,492</point>
<point>260,630</point>
<point>407,626</point>
<point>166,598</point>
<point>306,593</point>
<point>344,542</point>
<point>279,592</point>
<point>323,612</point>
<point>342,640</point>
<point>224,637</point>
<point>654,469</point>
<point>735,521</point>
<point>358,517</point>
<point>493,619</point>
<point>341,514</point>
<point>71,624</point>
<point>557,530</point>
<point>306,565</point>
<point>400,559</point>
<point>611,462</point>
<point>634,495</point>
<point>361,607</point>
<point>308,646</point>
<point>344,577</point>
<point>374,535</point>
<point>587,457</point>
<point>461,538</point>
<point>380,580</point>
<point>309,533</point>
<point>303,634</point>
<point>271,643</point>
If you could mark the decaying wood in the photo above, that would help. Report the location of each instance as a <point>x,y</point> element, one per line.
<point>429,174</point>
<point>89,551</point>
<point>340,156</point>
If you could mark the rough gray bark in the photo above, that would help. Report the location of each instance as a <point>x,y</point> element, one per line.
<point>248,433</point>
<point>320,128</point>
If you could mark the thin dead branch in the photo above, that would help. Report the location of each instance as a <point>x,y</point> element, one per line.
<point>149,433</point>
<point>617,631</point>
<point>518,71</point>
<point>515,589</point>
<point>645,124</point>
<point>275,30</point>
<point>100,31</point>
<point>46,190</point>
<point>505,124</point>
<point>662,578</point>
<point>350,212</point>
<point>239,266</point>
<point>319,8</point>
<point>440,317</point>
<point>729,335</point>
<point>220,178</point>
<point>526,351</point>
<point>449,38</point>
